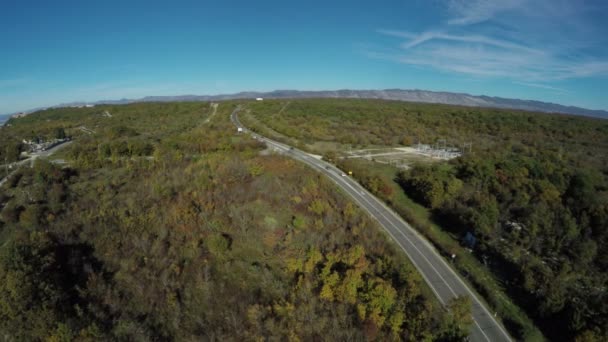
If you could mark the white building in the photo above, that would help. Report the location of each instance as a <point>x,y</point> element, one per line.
<point>259,99</point>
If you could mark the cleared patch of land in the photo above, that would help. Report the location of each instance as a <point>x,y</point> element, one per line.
<point>403,157</point>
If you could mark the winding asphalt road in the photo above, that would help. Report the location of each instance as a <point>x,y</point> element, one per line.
<point>440,277</point>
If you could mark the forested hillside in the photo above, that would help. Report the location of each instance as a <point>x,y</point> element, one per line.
<point>530,200</point>
<point>166,225</point>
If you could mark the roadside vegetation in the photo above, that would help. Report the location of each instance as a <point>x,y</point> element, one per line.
<point>167,225</point>
<point>526,212</point>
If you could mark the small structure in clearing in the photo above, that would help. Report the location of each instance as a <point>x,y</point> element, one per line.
<point>403,157</point>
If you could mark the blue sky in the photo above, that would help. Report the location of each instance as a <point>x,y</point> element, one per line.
<point>61,51</point>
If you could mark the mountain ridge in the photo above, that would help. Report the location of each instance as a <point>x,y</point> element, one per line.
<point>407,95</point>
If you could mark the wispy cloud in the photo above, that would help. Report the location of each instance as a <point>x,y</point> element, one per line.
<point>522,40</point>
<point>466,12</point>
<point>477,39</point>
<point>542,86</point>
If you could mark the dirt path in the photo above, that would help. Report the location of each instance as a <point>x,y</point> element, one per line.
<point>214,107</point>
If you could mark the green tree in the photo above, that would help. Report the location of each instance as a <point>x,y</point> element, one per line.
<point>60,133</point>
<point>458,320</point>
<point>29,290</point>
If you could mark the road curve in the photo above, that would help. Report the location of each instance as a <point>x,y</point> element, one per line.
<point>440,277</point>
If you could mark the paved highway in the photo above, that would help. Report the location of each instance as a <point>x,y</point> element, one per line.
<point>440,277</point>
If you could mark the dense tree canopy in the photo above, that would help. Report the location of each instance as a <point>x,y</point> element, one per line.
<point>163,226</point>
<point>533,192</point>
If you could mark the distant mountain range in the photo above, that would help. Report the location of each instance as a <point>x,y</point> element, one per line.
<point>425,96</point>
